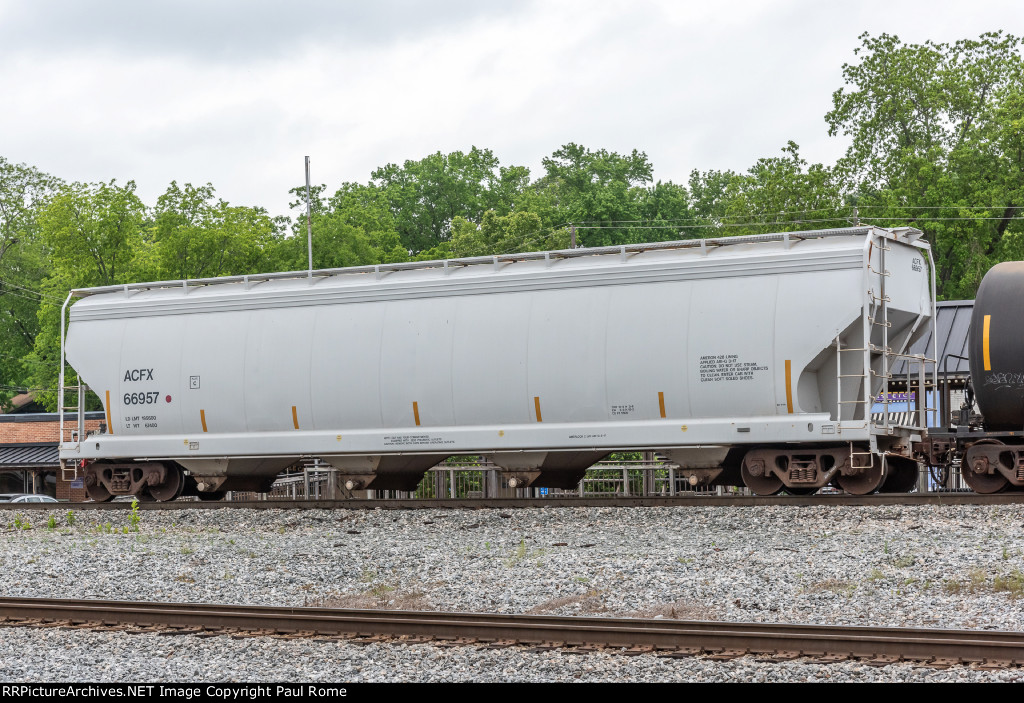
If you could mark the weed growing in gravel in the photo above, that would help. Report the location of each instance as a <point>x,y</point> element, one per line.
<point>876,575</point>
<point>517,556</point>
<point>904,561</point>
<point>51,523</point>
<point>1006,553</point>
<point>1012,583</point>
<point>133,517</point>
<point>186,550</point>
<point>21,523</point>
<point>71,518</point>
<point>976,582</point>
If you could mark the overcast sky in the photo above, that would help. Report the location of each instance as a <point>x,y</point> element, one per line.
<point>237,92</point>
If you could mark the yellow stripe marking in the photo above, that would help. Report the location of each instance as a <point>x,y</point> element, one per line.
<point>536,407</point>
<point>295,417</point>
<point>984,342</point>
<point>789,386</point>
<point>202,418</point>
<point>110,428</point>
<point>661,402</point>
<point>416,412</point>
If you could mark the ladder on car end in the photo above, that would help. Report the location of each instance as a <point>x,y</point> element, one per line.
<point>74,435</point>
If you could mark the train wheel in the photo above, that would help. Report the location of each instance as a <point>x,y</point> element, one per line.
<point>95,488</point>
<point>901,475</point>
<point>756,477</point>
<point>99,493</point>
<point>868,480</point>
<point>171,488</point>
<point>974,470</point>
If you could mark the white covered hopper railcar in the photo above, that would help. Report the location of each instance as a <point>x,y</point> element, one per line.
<point>741,359</point>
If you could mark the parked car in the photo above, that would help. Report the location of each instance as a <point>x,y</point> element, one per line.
<point>26,498</point>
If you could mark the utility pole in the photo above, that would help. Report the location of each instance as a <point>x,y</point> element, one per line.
<point>572,234</point>
<point>309,221</point>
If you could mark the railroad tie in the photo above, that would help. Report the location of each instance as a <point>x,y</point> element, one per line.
<point>781,656</point>
<point>680,653</point>
<point>882,660</point>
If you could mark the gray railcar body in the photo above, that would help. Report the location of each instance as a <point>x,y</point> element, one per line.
<point>703,350</point>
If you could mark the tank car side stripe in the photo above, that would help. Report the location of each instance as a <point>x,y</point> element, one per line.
<point>202,418</point>
<point>789,386</point>
<point>984,343</point>
<point>661,402</point>
<point>110,428</point>
<point>416,412</point>
<point>536,407</point>
<point>295,417</point>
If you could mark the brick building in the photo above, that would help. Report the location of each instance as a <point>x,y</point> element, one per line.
<point>28,454</point>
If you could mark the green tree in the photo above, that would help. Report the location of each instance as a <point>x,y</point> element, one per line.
<point>504,234</point>
<point>353,227</point>
<point>777,194</point>
<point>200,236</point>
<point>602,192</point>
<point>935,142</point>
<point>24,191</point>
<point>93,233</point>
<point>425,196</point>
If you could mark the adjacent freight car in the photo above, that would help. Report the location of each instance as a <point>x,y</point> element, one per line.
<point>747,360</point>
<point>986,442</point>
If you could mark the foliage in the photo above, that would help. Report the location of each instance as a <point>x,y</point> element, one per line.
<point>504,234</point>
<point>425,196</point>
<point>199,236</point>
<point>776,194</point>
<point>134,518</point>
<point>24,191</point>
<point>937,137</point>
<point>354,227</point>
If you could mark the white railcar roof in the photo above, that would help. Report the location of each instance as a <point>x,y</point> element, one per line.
<point>831,248</point>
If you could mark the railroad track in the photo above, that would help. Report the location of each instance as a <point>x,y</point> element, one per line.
<point>668,638</point>
<point>485,503</point>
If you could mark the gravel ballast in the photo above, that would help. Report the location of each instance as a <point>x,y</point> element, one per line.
<point>922,566</point>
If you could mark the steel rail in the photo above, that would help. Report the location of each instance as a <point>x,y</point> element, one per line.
<point>679,637</point>
<point>897,499</point>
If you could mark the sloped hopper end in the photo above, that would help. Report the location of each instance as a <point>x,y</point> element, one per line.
<point>545,469</point>
<point>236,474</point>
<point>382,473</point>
